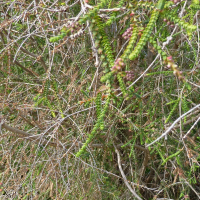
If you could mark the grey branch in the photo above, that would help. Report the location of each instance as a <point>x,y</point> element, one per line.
<point>172,126</point>
<point>123,175</point>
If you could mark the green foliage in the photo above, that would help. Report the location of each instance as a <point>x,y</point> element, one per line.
<point>107,76</point>
<point>84,78</point>
<point>98,104</point>
<point>162,72</point>
<point>94,11</point>
<point>60,36</point>
<point>145,5</point>
<point>54,85</point>
<point>184,106</point>
<point>190,28</point>
<point>50,107</point>
<point>195,5</point>
<point>160,5</point>
<point>172,156</point>
<point>113,18</point>
<point>145,36</point>
<point>131,43</point>
<point>121,84</point>
<point>158,48</point>
<point>103,41</point>
<point>95,128</point>
<point>46,88</point>
<point>176,102</point>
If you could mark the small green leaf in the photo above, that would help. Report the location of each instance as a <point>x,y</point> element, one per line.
<point>188,86</point>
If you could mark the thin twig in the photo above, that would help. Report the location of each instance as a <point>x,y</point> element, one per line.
<point>23,134</point>
<point>172,126</point>
<point>123,175</point>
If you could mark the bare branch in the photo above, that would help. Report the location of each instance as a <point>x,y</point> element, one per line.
<point>123,175</point>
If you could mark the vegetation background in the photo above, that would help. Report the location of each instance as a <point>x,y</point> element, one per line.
<point>99,99</point>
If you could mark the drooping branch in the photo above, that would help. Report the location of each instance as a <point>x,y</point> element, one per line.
<point>22,134</point>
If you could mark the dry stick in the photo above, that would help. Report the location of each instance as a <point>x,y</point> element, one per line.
<point>36,137</point>
<point>118,145</point>
<point>145,162</point>
<point>29,53</point>
<point>35,56</point>
<point>107,10</point>
<point>141,74</point>
<point>185,136</point>
<point>26,69</point>
<point>29,136</point>
<point>172,126</point>
<point>187,122</point>
<point>48,143</point>
<point>123,175</point>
